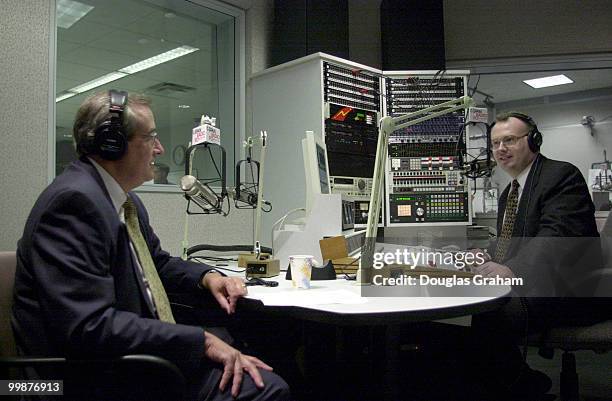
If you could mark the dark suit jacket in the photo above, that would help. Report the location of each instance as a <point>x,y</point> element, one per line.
<point>555,240</point>
<point>77,289</point>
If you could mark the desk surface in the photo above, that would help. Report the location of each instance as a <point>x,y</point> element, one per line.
<point>371,310</point>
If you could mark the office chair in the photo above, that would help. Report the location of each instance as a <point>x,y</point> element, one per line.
<point>109,377</point>
<point>597,337</point>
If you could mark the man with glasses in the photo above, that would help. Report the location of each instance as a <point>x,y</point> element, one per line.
<point>548,237</point>
<point>545,199</point>
<point>91,275</point>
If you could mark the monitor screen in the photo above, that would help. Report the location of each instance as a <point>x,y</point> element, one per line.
<point>316,169</point>
<point>322,169</point>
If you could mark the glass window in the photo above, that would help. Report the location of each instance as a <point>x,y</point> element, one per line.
<point>185,55</point>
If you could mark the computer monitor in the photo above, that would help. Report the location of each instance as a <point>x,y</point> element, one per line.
<point>316,168</point>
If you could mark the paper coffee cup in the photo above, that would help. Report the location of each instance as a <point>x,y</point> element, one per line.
<point>301,270</point>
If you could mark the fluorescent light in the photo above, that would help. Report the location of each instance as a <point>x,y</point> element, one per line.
<point>159,59</point>
<point>65,96</point>
<point>68,12</point>
<point>94,83</point>
<point>130,69</point>
<point>548,81</point>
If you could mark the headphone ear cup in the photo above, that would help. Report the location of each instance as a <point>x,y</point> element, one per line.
<point>534,140</point>
<point>88,146</point>
<point>110,142</point>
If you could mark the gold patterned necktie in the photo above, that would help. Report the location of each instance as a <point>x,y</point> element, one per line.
<point>506,233</point>
<point>160,298</point>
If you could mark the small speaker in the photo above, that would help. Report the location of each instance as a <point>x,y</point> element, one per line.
<point>303,27</point>
<point>412,35</point>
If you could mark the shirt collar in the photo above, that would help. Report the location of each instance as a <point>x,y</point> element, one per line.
<point>117,195</point>
<point>522,177</point>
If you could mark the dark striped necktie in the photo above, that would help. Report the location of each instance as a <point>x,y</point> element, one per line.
<point>503,241</point>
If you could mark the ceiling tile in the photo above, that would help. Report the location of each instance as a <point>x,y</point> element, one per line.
<point>83,32</point>
<point>118,13</point>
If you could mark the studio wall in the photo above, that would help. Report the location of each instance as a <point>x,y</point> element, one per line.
<point>485,29</point>
<point>24,111</point>
<point>565,138</point>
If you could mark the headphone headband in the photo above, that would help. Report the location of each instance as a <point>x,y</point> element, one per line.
<point>118,101</point>
<point>524,118</point>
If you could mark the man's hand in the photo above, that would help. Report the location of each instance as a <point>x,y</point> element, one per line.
<point>234,363</point>
<point>479,255</point>
<point>492,269</point>
<point>225,289</point>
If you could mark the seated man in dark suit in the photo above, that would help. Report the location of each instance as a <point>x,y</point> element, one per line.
<point>548,237</point>
<point>92,277</point>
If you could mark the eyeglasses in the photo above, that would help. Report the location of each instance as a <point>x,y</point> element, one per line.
<point>508,141</point>
<point>151,136</point>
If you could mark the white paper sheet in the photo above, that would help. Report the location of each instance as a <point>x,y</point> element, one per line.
<point>298,297</point>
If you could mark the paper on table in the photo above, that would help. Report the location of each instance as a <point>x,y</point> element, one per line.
<point>311,297</point>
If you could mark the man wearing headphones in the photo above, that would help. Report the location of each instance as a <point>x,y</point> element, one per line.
<point>548,237</point>
<point>91,275</point>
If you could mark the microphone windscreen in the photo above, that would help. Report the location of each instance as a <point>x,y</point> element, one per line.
<point>188,184</point>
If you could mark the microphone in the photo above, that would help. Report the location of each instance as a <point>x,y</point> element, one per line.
<point>245,197</point>
<point>479,166</point>
<point>201,194</point>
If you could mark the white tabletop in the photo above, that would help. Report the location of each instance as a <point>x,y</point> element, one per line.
<point>341,299</point>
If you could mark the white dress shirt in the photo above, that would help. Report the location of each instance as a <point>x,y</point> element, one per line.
<point>118,197</point>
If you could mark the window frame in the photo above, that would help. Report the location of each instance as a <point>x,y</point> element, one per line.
<point>239,88</point>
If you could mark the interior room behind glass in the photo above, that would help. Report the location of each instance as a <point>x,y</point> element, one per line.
<point>178,53</point>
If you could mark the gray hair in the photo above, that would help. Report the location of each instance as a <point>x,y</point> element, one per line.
<point>94,111</point>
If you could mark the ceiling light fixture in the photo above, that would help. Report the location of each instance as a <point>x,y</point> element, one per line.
<point>65,96</point>
<point>545,82</point>
<point>94,83</point>
<point>159,59</point>
<point>68,12</point>
<point>130,69</point>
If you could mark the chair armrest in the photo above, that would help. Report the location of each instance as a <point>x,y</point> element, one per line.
<point>173,380</point>
<point>150,361</point>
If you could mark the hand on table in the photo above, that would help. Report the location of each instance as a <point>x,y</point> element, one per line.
<point>492,269</point>
<point>479,256</point>
<point>226,290</point>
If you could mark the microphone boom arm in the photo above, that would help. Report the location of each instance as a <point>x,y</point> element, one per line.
<point>260,182</point>
<point>386,126</point>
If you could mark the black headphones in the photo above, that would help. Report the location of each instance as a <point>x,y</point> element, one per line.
<point>110,140</point>
<point>534,137</point>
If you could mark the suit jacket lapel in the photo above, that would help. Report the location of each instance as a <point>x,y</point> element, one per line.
<point>527,198</point>
<point>501,208</point>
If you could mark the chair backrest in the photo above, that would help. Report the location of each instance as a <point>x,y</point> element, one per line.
<point>604,287</point>
<point>8,261</point>
<point>606,240</point>
<point>606,228</point>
